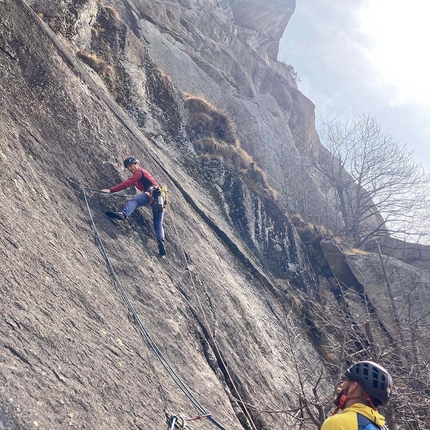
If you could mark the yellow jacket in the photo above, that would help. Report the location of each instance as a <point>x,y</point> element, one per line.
<point>352,419</point>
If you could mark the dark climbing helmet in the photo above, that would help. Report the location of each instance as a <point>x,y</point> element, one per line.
<point>374,379</point>
<point>130,160</point>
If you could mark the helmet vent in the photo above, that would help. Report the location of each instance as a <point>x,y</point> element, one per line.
<point>365,371</point>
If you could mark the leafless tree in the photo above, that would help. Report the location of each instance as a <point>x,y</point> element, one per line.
<point>350,340</point>
<point>378,186</point>
<point>409,350</point>
<point>382,316</point>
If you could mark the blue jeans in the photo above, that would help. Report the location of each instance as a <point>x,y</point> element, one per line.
<point>143,200</point>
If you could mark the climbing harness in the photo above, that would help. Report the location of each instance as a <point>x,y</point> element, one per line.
<point>179,382</point>
<point>158,198</point>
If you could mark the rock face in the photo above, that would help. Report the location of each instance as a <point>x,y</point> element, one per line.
<point>71,353</point>
<point>98,331</point>
<point>263,23</point>
<point>410,287</point>
<point>219,54</point>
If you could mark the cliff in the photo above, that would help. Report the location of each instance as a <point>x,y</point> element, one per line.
<point>238,320</point>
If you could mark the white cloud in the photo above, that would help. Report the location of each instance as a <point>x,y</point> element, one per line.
<point>400,32</point>
<point>365,56</point>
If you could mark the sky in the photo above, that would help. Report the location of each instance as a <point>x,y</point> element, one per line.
<point>356,56</point>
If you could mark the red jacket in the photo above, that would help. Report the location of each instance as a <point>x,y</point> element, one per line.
<point>141,179</point>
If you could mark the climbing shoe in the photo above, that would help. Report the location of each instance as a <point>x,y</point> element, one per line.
<point>116,215</point>
<point>161,247</point>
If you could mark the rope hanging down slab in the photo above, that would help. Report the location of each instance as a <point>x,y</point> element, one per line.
<point>179,382</point>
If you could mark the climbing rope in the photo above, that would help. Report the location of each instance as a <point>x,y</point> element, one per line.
<point>247,413</point>
<point>241,402</point>
<point>179,382</point>
<point>77,185</point>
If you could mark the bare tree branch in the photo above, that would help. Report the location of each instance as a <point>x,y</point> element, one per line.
<point>379,187</point>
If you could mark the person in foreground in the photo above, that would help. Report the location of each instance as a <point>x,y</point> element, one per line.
<point>367,386</point>
<point>151,195</point>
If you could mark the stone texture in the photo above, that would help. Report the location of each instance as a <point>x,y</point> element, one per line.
<point>410,288</point>
<point>206,52</point>
<point>267,20</point>
<point>234,306</point>
<point>71,354</point>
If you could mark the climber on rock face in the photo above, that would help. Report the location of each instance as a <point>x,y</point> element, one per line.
<point>151,195</point>
<point>367,386</point>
